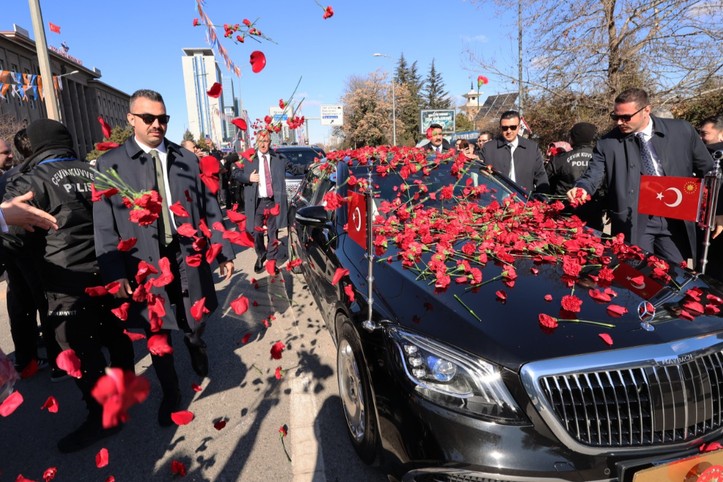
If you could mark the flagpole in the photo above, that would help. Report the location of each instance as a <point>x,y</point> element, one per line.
<point>41,47</point>
<point>711,182</point>
<point>369,324</point>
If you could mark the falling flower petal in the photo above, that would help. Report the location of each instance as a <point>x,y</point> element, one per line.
<point>117,391</point>
<point>215,90</point>
<point>106,146</point>
<point>210,168</point>
<point>69,362</point>
<point>101,458</point>
<point>240,123</point>
<point>144,269</point>
<point>258,61</point>
<point>104,127</point>
<point>178,209</point>
<point>50,474</point>
<point>328,12</point>
<point>194,260</point>
<point>127,244</point>
<point>339,274</point>
<point>240,305</point>
<point>182,417</point>
<point>10,404</point>
<point>240,238</point>
<point>166,275</point>
<point>501,295</point>
<point>187,230</point>
<point>616,310</point>
<point>606,338</point>
<point>349,290</point>
<point>158,345</point>
<point>122,311</point>
<point>96,291</point>
<point>276,350</point>
<point>271,267</point>
<point>196,387</point>
<point>212,252</point>
<point>51,405</point>
<point>548,298</point>
<point>134,336</point>
<point>199,309</point>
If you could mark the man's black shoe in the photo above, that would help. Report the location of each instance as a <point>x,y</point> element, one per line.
<point>169,404</point>
<point>259,266</point>
<point>199,357</point>
<point>86,435</point>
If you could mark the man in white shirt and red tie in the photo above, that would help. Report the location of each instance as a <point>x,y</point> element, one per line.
<point>265,201</point>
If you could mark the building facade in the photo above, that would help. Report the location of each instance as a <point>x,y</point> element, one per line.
<point>82,97</point>
<point>200,72</point>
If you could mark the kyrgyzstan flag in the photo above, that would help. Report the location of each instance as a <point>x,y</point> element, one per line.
<point>670,197</point>
<point>357,219</point>
<point>54,28</point>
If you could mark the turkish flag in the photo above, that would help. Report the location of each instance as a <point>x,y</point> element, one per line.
<point>357,219</point>
<point>632,279</point>
<point>670,197</point>
<point>54,28</point>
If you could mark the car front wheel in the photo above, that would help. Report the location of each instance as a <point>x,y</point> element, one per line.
<point>355,393</point>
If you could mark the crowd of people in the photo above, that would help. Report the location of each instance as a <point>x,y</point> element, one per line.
<point>55,223</point>
<point>52,224</point>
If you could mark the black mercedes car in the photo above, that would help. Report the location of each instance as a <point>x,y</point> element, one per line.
<point>481,336</point>
<point>302,156</point>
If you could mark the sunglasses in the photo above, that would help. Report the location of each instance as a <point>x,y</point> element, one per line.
<point>625,117</point>
<point>509,128</point>
<point>150,118</point>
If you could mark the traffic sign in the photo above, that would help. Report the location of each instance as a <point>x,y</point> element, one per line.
<point>332,115</point>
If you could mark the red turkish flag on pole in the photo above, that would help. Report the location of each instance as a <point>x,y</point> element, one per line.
<point>670,197</point>
<point>54,28</point>
<point>357,219</point>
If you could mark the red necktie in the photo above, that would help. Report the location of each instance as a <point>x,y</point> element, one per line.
<point>267,175</point>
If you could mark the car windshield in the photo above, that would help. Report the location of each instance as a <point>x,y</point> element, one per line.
<point>302,157</point>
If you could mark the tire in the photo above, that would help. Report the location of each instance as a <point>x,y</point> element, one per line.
<point>355,393</point>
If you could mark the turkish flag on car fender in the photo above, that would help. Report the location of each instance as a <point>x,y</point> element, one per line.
<point>670,197</point>
<point>357,219</point>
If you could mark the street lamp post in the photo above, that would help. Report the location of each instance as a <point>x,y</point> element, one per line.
<point>394,104</point>
<point>41,48</point>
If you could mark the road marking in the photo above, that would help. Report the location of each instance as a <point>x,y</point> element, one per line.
<point>307,458</point>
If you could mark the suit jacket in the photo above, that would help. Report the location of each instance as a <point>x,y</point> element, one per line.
<point>529,165</point>
<point>616,158</point>
<point>445,146</point>
<point>112,223</point>
<point>277,166</point>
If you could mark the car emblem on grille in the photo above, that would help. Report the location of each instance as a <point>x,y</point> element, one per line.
<point>646,313</point>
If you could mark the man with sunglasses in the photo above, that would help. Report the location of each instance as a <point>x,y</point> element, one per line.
<point>641,144</point>
<point>514,156</point>
<point>146,161</point>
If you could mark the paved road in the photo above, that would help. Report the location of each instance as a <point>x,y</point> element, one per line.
<point>241,388</point>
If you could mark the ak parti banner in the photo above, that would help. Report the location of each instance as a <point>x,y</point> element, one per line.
<point>357,219</point>
<point>670,197</point>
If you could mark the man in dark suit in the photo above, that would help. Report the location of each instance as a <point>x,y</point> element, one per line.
<point>264,178</point>
<point>148,161</point>
<point>437,142</point>
<point>518,158</point>
<point>644,144</point>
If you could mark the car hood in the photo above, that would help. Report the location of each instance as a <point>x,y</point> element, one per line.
<point>500,323</point>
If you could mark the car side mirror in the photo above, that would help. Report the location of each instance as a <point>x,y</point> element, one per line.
<point>312,216</point>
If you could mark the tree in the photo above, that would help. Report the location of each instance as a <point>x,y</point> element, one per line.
<point>9,125</point>
<point>604,46</point>
<point>433,91</point>
<point>367,111</point>
<point>462,123</point>
<point>118,134</point>
<point>409,101</point>
<point>188,136</point>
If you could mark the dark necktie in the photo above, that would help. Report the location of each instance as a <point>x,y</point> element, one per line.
<point>646,156</point>
<point>165,236</point>
<point>512,162</point>
<point>267,176</point>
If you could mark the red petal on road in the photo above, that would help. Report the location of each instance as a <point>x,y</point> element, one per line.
<point>277,349</point>
<point>182,417</point>
<point>10,404</point>
<point>101,458</point>
<point>51,405</point>
<point>278,373</point>
<point>219,424</point>
<point>196,387</point>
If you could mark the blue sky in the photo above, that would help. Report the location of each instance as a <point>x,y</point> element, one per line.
<point>137,44</point>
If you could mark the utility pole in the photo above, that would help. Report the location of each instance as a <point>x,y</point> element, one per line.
<point>520,90</point>
<point>41,47</point>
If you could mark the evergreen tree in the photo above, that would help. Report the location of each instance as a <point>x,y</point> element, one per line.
<point>433,91</point>
<point>188,136</point>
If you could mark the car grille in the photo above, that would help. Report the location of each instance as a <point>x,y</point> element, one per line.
<point>641,406</point>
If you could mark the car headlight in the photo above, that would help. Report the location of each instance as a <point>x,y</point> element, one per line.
<point>453,379</point>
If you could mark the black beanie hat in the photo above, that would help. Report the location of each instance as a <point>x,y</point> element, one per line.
<point>47,134</point>
<point>583,133</point>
